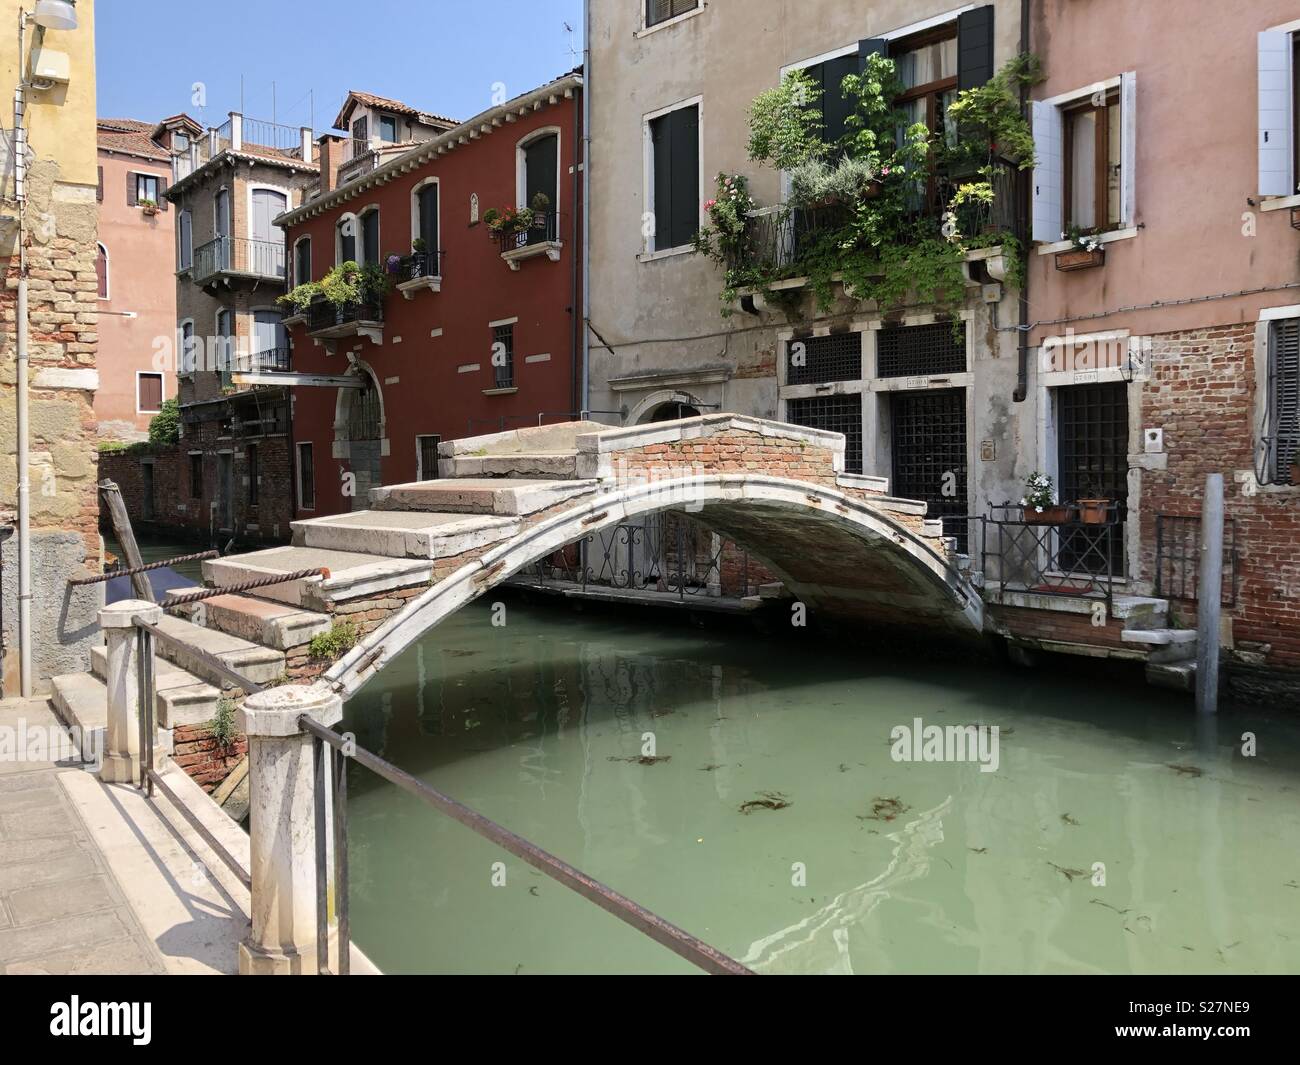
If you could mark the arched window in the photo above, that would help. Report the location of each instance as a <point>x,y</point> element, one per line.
<point>345,249</point>
<point>424,225</point>
<point>302,261</point>
<point>101,270</point>
<point>369,236</point>
<point>538,182</point>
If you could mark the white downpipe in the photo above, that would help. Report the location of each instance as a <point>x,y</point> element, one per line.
<point>20,384</point>
<point>586,205</point>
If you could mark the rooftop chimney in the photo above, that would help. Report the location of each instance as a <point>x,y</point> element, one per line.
<point>331,155</point>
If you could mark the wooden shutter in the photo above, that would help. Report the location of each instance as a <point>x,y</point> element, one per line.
<point>1049,172</point>
<point>150,398</point>
<point>370,236</point>
<point>834,104</point>
<point>99,192</point>
<point>1276,92</point>
<point>429,218</point>
<point>975,47</point>
<point>541,161</point>
<point>1284,396</point>
<point>162,195</point>
<point>1128,149</point>
<point>869,47</point>
<point>347,240</point>
<point>131,182</point>
<point>684,153</point>
<point>661,175</point>
<point>306,477</point>
<point>302,262</point>
<point>101,270</point>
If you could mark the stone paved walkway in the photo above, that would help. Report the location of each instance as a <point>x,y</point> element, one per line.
<point>61,908</point>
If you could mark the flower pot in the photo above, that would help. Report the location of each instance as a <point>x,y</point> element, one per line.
<point>149,210</point>
<point>874,188</point>
<point>1053,515</point>
<point>1094,511</point>
<point>1080,259</point>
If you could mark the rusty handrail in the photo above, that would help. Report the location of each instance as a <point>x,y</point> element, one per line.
<point>680,942</point>
<point>99,578</point>
<point>183,598</point>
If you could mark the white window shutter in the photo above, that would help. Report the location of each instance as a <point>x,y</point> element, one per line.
<point>1275,109</point>
<point>1128,149</point>
<point>1049,172</point>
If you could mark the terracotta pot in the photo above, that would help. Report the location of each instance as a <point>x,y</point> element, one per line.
<point>1080,259</point>
<point>1094,511</point>
<point>1054,515</point>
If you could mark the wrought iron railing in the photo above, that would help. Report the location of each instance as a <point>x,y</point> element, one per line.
<point>238,255</point>
<point>260,134</point>
<point>272,360</point>
<point>322,314</point>
<point>1178,555</point>
<point>675,557</point>
<point>420,264</point>
<point>545,227</point>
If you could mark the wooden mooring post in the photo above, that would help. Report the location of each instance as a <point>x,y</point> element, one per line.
<point>112,496</point>
<point>1209,594</point>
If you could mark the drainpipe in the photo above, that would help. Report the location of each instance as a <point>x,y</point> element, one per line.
<point>586,204</point>
<point>1025,234</point>
<point>575,311</point>
<point>20,389</point>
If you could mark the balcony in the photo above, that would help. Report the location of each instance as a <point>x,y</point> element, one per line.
<point>238,258</point>
<point>241,134</point>
<point>274,360</point>
<point>540,238</point>
<point>329,322</point>
<point>420,270</point>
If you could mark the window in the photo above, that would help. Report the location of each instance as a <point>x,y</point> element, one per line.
<point>837,414</point>
<point>1086,147</point>
<point>222,345</point>
<point>503,356</point>
<point>306,478</point>
<point>185,239</point>
<point>812,360</point>
<point>360,136</point>
<point>426,225</point>
<point>1092,164</point>
<point>221,213</point>
<point>1282,432</point>
<point>674,176</point>
<point>1278,142</point>
<point>180,143</point>
<point>346,238</point>
<point>187,361</point>
<point>657,11</point>
<point>370,237</point>
<point>147,187</point>
<point>388,129</point>
<point>149,393</point>
<point>196,475</point>
<point>302,261</point>
<point>427,457</point>
<point>927,431</point>
<point>920,350</point>
<point>101,270</point>
<point>1092,463</point>
<point>253,475</point>
<point>540,177</point>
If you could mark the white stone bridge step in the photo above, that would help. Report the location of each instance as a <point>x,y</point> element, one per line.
<point>262,665</point>
<point>404,534</point>
<point>182,698</point>
<point>558,465</point>
<point>352,575</point>
<point>260,621</point>
<point>81,702</point>
<point>505,497</point>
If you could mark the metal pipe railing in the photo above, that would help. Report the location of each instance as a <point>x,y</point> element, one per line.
<point>99,578</point>
<point>184,598</point>
<point>681,943</point>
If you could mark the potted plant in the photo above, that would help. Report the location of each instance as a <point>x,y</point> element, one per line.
<point>393,263</point>
<point>1086,253</point>
<point>1094,511</point>
<point>149,206</point>
<point>1039,502</point>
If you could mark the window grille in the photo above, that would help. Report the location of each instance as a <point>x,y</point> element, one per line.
<point>837,414</point>
<point>1092,462</point>
<point>830,358</point>
<point>920,350</point>
<point>503,356</point>
<point>363,413</point>
<point>928,430</point>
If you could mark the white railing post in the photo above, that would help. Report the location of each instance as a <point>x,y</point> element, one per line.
<point>122,675</point>
<point>236,131</point>
<point>282,831</point>
<point>306,139</point>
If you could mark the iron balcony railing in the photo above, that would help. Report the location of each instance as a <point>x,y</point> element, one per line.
<point>322,314</point>
<point>238,255</point>
<point>272,360</point>
<point>420,264</point>
<point>545,227</point>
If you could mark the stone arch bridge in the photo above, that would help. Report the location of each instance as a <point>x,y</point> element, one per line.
<point>838,542</point>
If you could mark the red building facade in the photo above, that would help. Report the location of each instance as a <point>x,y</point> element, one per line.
<point>479,332</point>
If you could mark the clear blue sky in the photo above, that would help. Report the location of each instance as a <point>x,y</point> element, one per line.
<point>442,56</point>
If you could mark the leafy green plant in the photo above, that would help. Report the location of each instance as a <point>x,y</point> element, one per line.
<point>225,729</point>
<point>345,284</point>
<point>784,125</point>
<point>818,181</point>
<point>332,645</point>
<point>989,118</point>
<point>165,426</point>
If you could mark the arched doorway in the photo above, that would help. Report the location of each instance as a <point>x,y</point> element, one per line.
<point>365,439</point>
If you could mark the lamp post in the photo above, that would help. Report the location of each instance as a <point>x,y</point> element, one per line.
<point>52,15</point>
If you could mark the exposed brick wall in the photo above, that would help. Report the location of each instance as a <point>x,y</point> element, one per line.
<point>204,760</point>
<point>1056,626</point>
<point>1202,393</point>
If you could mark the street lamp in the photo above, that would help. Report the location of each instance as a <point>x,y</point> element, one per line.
<point>56,14</point>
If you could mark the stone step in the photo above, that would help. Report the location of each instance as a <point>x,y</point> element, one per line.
<point>1165,645</point>
<point>352,574</point>
<point>1180,676</point>
<point>181,698</point>
<point>554,465</point>
<point>479,495</point>
<point>404,534</point>
<point>81,701</point>
<point>261,621</point>
<point>262,665</point>
<point>1141,611</point>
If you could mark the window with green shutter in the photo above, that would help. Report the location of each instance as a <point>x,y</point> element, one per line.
<point>675,177</point>
<point>1283,433</point>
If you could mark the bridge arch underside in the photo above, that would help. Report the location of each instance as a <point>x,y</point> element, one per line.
<point>851,564</point>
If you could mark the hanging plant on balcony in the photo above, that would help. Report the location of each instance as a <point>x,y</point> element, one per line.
<point>1039,506</point>
<point>149,206</point>
<point>298,298</point>
<point>508,220</point>
<point>393,263</point>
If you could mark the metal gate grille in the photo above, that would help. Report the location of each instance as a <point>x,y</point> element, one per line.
<point>929,438</point>
<point>831,358</point>
<point>1284,398</point>
<point>1093,464</point>
<point>838,414</point>
<point>363,412</point>
<point>920,350</point>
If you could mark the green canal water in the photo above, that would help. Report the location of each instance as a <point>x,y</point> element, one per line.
<point>874,866</point>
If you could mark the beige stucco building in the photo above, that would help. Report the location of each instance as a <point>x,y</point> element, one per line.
<point>57,208</point>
